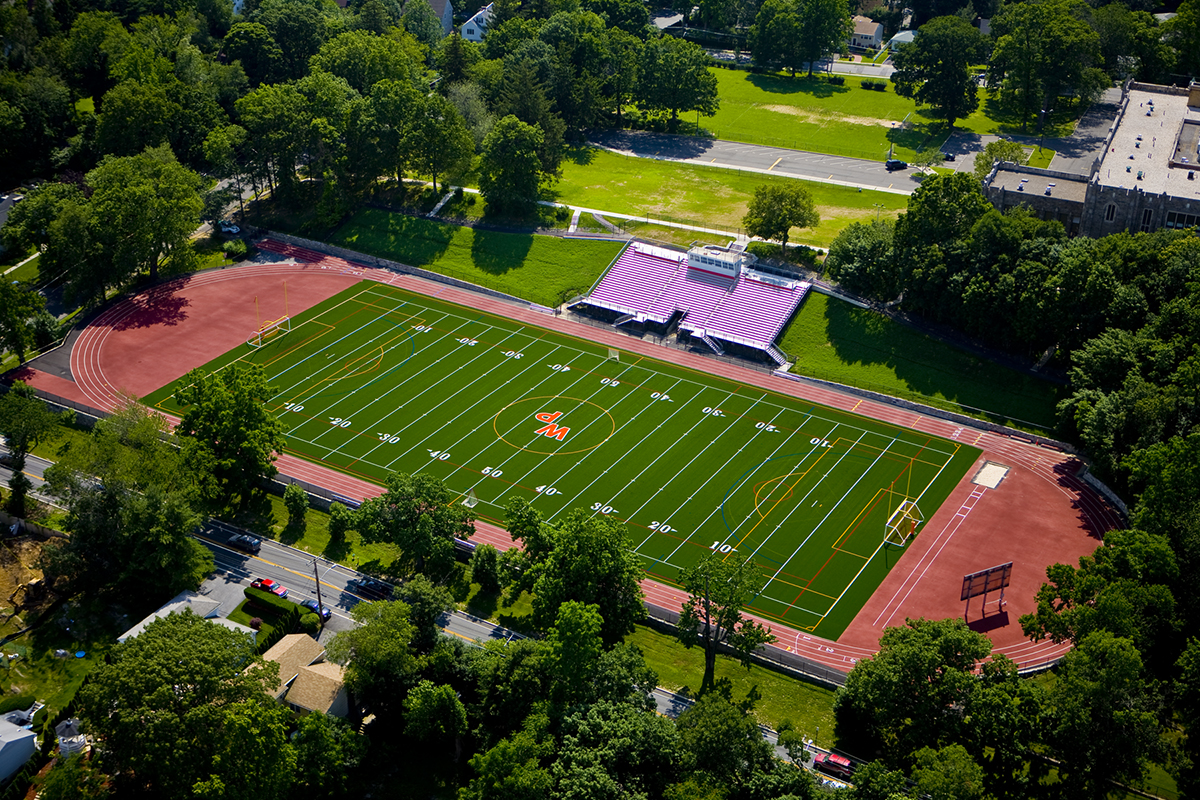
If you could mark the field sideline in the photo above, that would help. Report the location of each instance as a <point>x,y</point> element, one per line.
<point>377,379</point>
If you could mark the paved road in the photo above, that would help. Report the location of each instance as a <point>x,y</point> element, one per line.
<point>839,170</point>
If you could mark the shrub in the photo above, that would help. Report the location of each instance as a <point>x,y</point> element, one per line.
<point>18,702</point>
<point>234,248</point>
<point>310,623</point>
<point>836,80</point>
<point>341,519</point>
<point>256,623</point>
<point>485,568</point>
<point>269,602</point>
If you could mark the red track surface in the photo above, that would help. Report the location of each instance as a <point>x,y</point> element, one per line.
<point>1041,513</point>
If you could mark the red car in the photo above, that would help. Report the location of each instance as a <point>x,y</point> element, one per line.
<point>268,585</point>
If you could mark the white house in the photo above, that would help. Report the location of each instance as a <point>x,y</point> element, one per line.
<point>16,746</point>
<point>199,605</point>
<point>903,37</point>
<point>867,33</point>
<point>445,14</point>
<point>473,30</point>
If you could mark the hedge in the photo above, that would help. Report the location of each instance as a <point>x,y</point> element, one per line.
<point>18,703</point>
<point>270,601</point>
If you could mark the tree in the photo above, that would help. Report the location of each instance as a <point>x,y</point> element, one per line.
<point>1102,715</point>
<point>513,767</point>
<point>74,778</point>
<point>418,515</point>
<point>468,99</point>
<point>904,697</point>
<point>327,752</point>
<point>947,774</point>
<point>150,205</point>
<point>438,141</point>
<point>427,605</point>
<point>776,208</point>
<point>136,116</point>
<point>364,60</point>
<point>185,707</point>
<point>380,663</point>
<point>935,69</point>
<point>1183,35</point>
<point>434,713</point>
<point>509,171</point>
<point>996,152</point>
<point>24,421</point>
<point>485,568</point>
<point>18,306</point>
<point>295,500</point>
<point>298,29</point>
<point>675,78</point>
<point>826,29</point>
<point>723,739</point>
<point>250,44</point>
<point>775,37</point>
<point>341,520</point>
<point>422,23</point>
<point>574,647</point>
<point>231,438</point>
<point>618,750</point>
<point>941,210</point>
<point>719,586</point>
<point>589,562</point>
<point>860,259</point>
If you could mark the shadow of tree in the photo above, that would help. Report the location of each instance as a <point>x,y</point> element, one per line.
<point>154,308</point>
<point>781,84</point>
<point>581,155</point>
<point>484,604</point>
<point>496,253</point>
<point>254,513</point>
<point>292,533</point>
<point>410,240</point>
<point>337,549</point>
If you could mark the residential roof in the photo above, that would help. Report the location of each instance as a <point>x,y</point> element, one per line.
<point>293,653</point>
<point>200,605</point>
<point>903,37</point>
<point>865,26</point>
<point>664,22</point>
<point>317,687</point>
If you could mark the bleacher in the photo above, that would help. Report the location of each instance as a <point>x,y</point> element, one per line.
<point>653,283</point>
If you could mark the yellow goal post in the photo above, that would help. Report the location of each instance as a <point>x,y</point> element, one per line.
<point>269,330</point>
<point>902,524</point>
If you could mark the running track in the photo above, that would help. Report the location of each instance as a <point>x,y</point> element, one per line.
<point>1041,514</point>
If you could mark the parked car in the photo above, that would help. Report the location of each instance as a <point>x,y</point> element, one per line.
<point>324,612</point>
<point>228,227</point>
<point>833,764</point>
<point>369,588</point>
<point>245,542</point>
<point>894,164</point>
<point>268,585</point>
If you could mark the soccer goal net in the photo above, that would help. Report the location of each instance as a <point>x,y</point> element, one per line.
<point>269,330</point>
<point>902,524</point>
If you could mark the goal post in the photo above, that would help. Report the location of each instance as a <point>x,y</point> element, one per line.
<point>902,524</point>
<point>269,330</point>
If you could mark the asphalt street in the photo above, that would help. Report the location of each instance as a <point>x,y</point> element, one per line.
<point>839,170</point>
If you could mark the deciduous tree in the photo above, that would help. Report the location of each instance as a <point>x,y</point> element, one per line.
<point>776,208</point>
<point>997,151</point>
<point>24,421</point>
<point>510,169</point>
<point>418,515</point>
<point>230,436</point>
<point>328,751</point>
<point>380,663</point>
<point>935,69</point>
<point>719,586</point>
<point>675,78</point>
<point>437,141</point>
<point>18,306</point>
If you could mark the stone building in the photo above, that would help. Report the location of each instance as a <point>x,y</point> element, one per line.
<point>1145,178</point>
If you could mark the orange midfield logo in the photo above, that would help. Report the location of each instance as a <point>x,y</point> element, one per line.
<point>552,430</point>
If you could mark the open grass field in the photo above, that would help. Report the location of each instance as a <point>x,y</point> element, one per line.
<point>543,269</point>
<point>834,341</point>
<point>704,196</point>
<point>376,380</point>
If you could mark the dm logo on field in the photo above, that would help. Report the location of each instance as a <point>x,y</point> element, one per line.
<point>551,430</point>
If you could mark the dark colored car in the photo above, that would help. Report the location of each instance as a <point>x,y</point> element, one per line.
<point>369,588</point>
<point>894,164</point>
<point>268,585</point>
<point>324,612</point>
<point>245,542</point>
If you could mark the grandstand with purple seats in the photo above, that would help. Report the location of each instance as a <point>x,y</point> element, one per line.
<point>713,293</point>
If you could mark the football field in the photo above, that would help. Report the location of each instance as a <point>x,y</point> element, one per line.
<point>376,380</point>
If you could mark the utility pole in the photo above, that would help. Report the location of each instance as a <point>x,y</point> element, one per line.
<point>320,606</point>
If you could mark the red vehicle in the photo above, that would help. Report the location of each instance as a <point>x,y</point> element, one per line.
<point>268,585</point>
<point>833,764</point>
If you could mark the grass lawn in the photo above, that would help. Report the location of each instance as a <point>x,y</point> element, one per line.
<point>709,197</point>
<point>543,269</point>
<point>1041,157</point>
<point>378,380</point>
<point>808,706</point>
<point>832,340</point>
<point>27,273</point>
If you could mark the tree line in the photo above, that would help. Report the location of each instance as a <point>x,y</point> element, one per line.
<point>1120,315</point>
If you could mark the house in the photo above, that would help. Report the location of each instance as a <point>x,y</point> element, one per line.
<point>668,23</point>
<point>474,29</point>
<point>445,14</point>
<point>903,37</point>
<point>16,746</point>
<point>867,33</point>
<point>307,682</point>
<point>199,605</point>
<point>1145,178</point>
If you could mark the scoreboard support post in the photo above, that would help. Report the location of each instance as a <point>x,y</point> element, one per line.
<point>985,582</point>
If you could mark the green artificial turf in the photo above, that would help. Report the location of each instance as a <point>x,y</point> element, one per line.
<point>543,269</point>
<point>376,380</point>
<point>835,341</point>
<point>708,197</point>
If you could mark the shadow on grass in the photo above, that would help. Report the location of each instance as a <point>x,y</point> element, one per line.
<point>292,533</point>
<point>581,155</point>
<point>497,253</point>
<point>781,84</point>
<point>484,604</point>
<point>337,549</point>
<point>410,240</point>
<point>254,514</point>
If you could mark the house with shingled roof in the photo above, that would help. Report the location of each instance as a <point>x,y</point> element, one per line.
<point>307,682</point>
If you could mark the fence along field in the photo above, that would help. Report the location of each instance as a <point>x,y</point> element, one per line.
<point>376,379</point>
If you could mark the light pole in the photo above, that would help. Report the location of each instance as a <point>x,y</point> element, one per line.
<point>878,208</point>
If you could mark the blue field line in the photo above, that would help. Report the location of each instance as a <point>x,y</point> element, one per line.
<point>742,478</point>
<point>412,342</point>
